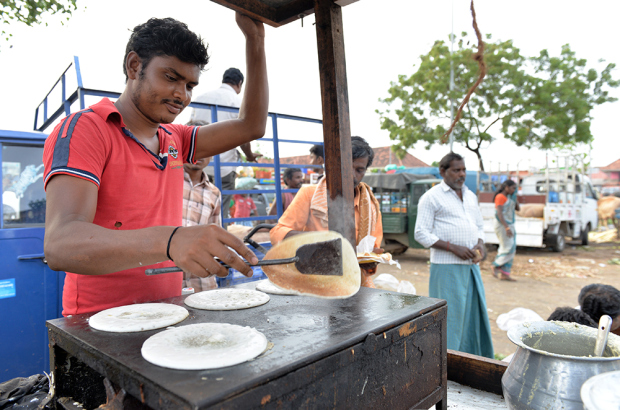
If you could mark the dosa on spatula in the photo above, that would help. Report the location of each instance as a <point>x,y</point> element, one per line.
<point>325,286</point>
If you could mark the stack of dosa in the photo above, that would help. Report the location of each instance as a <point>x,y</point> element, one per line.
<point>531,210</point>
<point>325,286</point>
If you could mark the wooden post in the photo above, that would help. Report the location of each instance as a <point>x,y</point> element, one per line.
<point>336,125</point>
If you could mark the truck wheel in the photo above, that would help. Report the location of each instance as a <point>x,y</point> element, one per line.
<point>557,242</point>
<point>584,235</point>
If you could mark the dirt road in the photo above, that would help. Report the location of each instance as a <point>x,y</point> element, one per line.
<point>545,280</point>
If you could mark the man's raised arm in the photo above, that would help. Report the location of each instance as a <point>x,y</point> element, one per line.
<point>222,136</point>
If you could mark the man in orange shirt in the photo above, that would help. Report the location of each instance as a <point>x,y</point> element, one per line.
<point>308,211</point>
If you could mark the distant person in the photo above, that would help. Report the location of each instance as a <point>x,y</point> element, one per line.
<point>597,300</point>
<point>293,179</point>
<point>572,315</point>
<point>505,205</point>
<point>244,206</point>
<point>317,157</point>
<point>202,204</point>
<point>227,95</point>
<point>450,223</point>
<point>308,211</point>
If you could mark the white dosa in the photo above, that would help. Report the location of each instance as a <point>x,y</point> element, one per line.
<point>226,299</point>
<point>138,317</point>
<point>323,286</point>
<point>268,287</point>
<point>204,346</point>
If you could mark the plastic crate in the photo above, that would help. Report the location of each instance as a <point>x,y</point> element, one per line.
<point>394,222</point>
<point>235,277</point>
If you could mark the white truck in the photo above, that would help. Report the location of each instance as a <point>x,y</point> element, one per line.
<point>567,207</point>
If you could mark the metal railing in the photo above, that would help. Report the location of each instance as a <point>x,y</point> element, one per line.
<point>81,92</point>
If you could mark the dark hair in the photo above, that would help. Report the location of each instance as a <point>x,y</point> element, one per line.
<point>197,123</point>
<point>568,314</point>
<point>166,37</point>
<point>232,76</point>
<point>361,149</point>
<point>597,300</point>
<point>444,164</point>
<point>318,151</point>
<point>507,183</point>
<point>289,172</point>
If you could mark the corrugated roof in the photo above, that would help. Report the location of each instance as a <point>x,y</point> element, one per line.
<point>614,166</point>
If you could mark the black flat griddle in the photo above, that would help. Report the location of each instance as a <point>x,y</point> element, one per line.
<point>303,330</point>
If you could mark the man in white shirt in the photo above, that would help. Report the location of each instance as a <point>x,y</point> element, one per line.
<point>450,223</point>
<point>226,95</point>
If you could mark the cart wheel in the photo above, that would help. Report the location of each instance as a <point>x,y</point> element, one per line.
<point>584,235</point>
<point>557,242</point>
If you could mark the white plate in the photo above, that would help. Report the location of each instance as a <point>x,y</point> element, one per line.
<point>227,299</point>
<point>204,346</point>
<point>138,317</point>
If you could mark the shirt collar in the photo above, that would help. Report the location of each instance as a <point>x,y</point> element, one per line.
<point>204,179</point>
<point>228,87</point>
<point>106,109</point>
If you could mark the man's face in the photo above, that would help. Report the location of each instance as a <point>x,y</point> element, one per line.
<point>164,88</point>
<point>455,175</point>
<point>198,166</point>
<point>295,181</point>
<point>360,165</point>
<point>316,160</point>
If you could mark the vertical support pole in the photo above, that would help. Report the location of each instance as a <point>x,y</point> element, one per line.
<point>276,164</point>
<point>336,125</point>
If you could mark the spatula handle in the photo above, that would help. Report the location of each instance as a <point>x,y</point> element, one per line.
<point>171,269</point>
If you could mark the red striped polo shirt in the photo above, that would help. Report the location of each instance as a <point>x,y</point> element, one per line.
<point>136,189</point>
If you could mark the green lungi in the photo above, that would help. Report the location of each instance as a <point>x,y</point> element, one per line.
<point>461,286</point>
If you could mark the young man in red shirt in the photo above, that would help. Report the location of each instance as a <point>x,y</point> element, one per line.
<point>114,174</point>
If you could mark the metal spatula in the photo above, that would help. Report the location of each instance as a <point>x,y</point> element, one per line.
<point>320,258</point>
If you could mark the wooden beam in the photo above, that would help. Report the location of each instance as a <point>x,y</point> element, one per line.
<point>336,125</point>
<point>476,371</point>
<point>252,8</point>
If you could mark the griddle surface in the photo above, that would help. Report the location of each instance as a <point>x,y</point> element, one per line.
<point>302,330</point>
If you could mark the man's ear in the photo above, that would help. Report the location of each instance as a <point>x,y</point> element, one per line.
<point>133,64</point>
<point>322,161</point>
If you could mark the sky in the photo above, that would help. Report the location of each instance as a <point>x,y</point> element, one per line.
<point>383,39</point>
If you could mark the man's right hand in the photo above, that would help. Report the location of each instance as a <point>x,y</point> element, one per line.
<point>194,248</point>
<point>252,156</point>
<point>250,27</point>
<point>463,252</point>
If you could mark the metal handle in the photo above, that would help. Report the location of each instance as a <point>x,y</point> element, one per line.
<point>256,245</point>
<point>604,324</point>
<point>33,257</point>
<point>157,271</point>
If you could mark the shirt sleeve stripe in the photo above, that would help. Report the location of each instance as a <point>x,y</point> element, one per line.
<point>62,147</point>
<point>192,146</point>
<point>73,172</point>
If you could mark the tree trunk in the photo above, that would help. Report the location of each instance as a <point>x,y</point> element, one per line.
<point>477,152</point>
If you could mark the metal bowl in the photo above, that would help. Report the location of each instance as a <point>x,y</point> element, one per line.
<point>601,392</point>
<point>551,363</point>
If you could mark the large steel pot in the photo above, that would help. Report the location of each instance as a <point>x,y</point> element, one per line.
<point>552,361</point>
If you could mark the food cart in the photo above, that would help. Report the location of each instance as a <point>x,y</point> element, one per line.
<point>376,349</point>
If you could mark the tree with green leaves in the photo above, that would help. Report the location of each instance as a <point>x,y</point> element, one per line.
<point>31,12</point>
<point>543,102</point>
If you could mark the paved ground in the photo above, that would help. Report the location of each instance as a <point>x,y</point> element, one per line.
<point>545,280</point>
